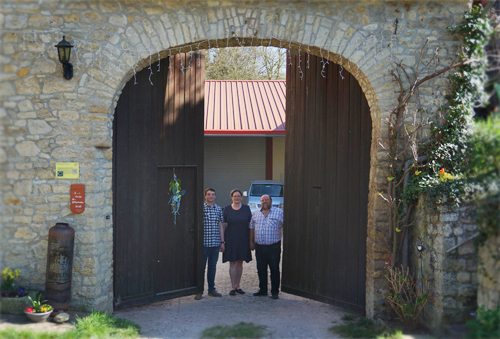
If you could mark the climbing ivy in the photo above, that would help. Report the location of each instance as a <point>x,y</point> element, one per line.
<point>450,147</point>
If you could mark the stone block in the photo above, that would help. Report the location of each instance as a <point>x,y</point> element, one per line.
<point>24,232</point>
<point>100,141</point>
<point>467,291</point>
<point>23,188</point>
<point>45,173</point>
<point>27,148</point>
<point>65,153</point>
<point>449,302</point>
<point>81,128</point>
<point>68,116</point>
<point>444,230</point>
<point>40,249</point>
<point>467,248</point>
<point>11,200</point>
<point>463,277</point>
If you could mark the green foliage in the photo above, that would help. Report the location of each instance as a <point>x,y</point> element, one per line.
<point>8,278</point>
<point>175,185</point>
<point>449,145</point>
<point>404,296</point>
<point>485,153</point>
<point>97,325</point>
<point>239,330</point>
<point>469,156</point>
<point>39,306</point>
<point>486,325</point>
<point>26,334</point>
<point>349,317</point>
<point>104,325</point>
<point>365,328</point>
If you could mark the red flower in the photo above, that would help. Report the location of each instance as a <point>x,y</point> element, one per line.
<point>28,309</point>
<point>442,172</point>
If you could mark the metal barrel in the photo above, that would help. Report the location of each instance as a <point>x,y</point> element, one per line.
<point>59,266</point>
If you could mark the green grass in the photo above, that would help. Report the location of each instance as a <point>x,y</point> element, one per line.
<point>240,330</point>
<point>365,328</point>
<point>96,325</point>
<point>348,317</point>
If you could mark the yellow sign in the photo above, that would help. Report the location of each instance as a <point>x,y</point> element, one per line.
<point>67,170</point>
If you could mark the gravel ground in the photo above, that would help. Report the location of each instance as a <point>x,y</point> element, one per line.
<point>288,317</point>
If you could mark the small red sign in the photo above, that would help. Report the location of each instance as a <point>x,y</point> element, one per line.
<point>77,198</point>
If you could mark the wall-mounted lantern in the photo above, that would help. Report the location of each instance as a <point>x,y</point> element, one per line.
<point>64,51</point>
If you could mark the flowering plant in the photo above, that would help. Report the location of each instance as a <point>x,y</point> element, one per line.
<point>8,278</point>
<point>443,176</point>
<point>38,306</point>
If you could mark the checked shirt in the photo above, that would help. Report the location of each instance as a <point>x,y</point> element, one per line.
<point>267,228</point>
<point>211,218</point>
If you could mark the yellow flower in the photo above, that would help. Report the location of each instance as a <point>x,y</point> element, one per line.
<point>446,176</point>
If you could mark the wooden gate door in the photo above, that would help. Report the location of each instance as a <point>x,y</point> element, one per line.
<point>327,163</point>
<point>158,134</point>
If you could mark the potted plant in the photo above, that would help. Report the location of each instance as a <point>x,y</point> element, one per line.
<point>13,299</point>
<point>38,311</point>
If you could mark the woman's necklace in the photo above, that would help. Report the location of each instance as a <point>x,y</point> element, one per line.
<point>236,207</point>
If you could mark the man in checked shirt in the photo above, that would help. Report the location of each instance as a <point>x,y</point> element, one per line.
<point>213,241</point>
<point>265,238</point>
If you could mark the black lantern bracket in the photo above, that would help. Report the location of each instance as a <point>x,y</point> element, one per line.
<point>64,53</point>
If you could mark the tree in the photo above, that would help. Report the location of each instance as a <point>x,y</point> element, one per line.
<point>246,63</point>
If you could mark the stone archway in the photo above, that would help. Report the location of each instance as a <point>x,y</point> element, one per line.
<point>53,120</point>
<point>294,49</point>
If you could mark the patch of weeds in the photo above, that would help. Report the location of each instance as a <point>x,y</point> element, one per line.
<point>96,325</point>
<point>348,317</point>
<point>366,328</point>
<point>14,334</point>
<point>104,325</point>
<point>240,330</point>
<point>486,325</point>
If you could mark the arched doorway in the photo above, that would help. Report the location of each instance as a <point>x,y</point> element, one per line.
<point>156,258</point>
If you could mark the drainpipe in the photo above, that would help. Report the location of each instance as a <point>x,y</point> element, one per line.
<point>419,160</point>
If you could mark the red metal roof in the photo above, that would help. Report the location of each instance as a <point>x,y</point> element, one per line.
<point>245,107</point>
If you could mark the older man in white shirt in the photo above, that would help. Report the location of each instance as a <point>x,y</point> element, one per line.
<point>265,238</point>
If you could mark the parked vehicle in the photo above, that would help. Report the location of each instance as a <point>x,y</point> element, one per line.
<point>275,189</point>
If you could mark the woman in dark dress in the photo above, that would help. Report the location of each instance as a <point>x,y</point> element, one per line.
<point>237,236</point>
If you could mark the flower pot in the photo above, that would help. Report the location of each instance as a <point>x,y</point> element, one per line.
<point>14,305</point>
<point>38,317</point>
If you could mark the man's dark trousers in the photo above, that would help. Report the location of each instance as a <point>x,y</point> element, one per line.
<point>211,254</point>
<point>268,255</point>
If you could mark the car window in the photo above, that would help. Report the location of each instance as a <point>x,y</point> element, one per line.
<point>259,190</point>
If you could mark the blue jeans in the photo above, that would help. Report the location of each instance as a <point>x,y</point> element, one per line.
<point>211,254</point>
<point>268,255</point>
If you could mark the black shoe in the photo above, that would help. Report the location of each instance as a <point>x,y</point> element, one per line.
<point>214,293</point>
<point>240,291</point>
<point>198,296</point>
<point>260,293</point>
<point>274,297</point>
<point>232,292</point>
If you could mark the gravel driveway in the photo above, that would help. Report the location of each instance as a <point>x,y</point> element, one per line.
<point>288,317</point>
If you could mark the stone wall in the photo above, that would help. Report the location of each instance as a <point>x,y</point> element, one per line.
<point>488,293</point>
<point>452,274</point>
<point>46,119</point>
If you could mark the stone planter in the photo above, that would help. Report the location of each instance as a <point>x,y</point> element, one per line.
<point>14,305</point>
<point>38,317</point>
